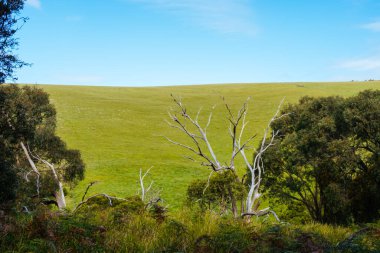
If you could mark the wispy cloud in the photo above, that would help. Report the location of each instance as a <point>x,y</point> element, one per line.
<point>374,26</point>
<point>34,3</point>
<point>363,64</point>
<point>224,16</point>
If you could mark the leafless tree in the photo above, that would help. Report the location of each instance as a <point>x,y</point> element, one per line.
<point>202,148</point>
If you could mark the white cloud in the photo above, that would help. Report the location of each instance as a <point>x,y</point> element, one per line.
<point>361,64</point>
<point>34,3</point>
<point>374,26</point>
<point>224,16</point>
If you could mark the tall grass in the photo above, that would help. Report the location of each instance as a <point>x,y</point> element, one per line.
<point>125,229</point>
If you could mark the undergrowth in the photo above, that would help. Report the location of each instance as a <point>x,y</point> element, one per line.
<point>130,227</point>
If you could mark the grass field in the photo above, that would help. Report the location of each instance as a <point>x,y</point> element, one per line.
<point>120,130</point>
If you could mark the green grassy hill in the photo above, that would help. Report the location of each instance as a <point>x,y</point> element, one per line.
<point>120,130</point>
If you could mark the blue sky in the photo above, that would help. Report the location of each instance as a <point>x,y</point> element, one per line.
<point>173,42</point>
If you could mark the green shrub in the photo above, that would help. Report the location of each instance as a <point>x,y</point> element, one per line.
<point>217,192</point>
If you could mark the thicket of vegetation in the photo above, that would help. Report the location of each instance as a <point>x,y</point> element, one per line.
<point>129,227</point>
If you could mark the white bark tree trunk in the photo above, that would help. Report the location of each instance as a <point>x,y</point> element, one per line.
<point>34,168</point>
<point>59,194</point>
<point>236,129</point>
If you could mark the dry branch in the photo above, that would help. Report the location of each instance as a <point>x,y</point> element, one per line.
<point>88,188</point>
<point>261,213</point>
<point>34,168</point>
<point>143,190</point>
<point>59,195</point>
<point>236,129</point>
<point>110,198</point>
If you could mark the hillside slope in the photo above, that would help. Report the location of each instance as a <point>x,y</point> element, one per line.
<point>120,129</point>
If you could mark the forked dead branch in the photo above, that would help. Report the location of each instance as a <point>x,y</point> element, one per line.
<point>59,195</point>
<point>201,147</point>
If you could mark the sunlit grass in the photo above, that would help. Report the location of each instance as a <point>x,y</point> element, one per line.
<point>120,130</point>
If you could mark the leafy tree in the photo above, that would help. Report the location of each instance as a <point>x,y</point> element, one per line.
<point>27,119</point>
<point>10,23</point>
<point>327,158</point>
<point>362,115</point>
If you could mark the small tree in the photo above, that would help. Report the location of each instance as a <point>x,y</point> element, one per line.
<point>10,23</point>
<point>202,148</point>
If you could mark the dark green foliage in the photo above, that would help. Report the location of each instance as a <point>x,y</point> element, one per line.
<point>363,117</point>
<point>8,179</point>
<point>364,240</point>
<point>132,204</point>
<point>119,207</point>
<point>23,110</point>
<point>158,212</point>
<point>27,116</point>
<point>47,231</point>
<point>232,237</point>
<point>237,236</point>
<point>9,25</point>
<point>216,192</point>
<point>174,237</point>
<point>327,158</point>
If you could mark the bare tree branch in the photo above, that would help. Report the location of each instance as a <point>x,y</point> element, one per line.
<point>261,213</point>
<point>212,161</point>
<point>257,168</point>
<point>208,182</point>
<point>88,188</point>
<point>34,168</point>
<point>143,190</point>
<point>110,198</point>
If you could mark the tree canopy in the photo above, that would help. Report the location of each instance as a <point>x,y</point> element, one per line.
<point>27,116</point>
<point>10,23</point>
<point>327,159</point>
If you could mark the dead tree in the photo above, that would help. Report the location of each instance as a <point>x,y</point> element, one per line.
<point>144,190</point>
<point>202,148</point>
<point>34,168</point>
<point>257,168</point>
<point>59,194</point>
